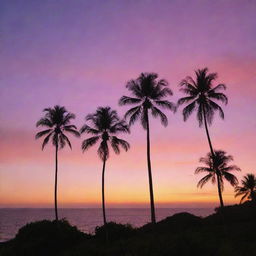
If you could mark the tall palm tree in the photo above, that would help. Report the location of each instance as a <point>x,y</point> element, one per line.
<point>104,124</point>
<point>201,97</point>
<point>148,93</point>
<point>217,168</point>
<point>248,188</point>
<point>57,120</point>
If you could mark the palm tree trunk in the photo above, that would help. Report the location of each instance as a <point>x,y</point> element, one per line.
<point>55,189</point>
<point>207,133</point>
<point>152,204</point>
<point>103,192</point>
<point>219,192</point>
<point>212,152</point>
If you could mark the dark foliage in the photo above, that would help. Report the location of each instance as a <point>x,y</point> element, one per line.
<point>114,231</point>
<point>217,166</point>
<point>45,238</point>
<point>202,96</point>
<point>179,235</point>
<point>248,188</point>
<point>104,125</point>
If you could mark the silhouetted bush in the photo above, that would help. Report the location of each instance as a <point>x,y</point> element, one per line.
<point>46,238</point>
<point>114,231</point>
<point>182,234</point>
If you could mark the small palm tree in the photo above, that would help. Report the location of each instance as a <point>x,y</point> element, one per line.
<point>105,124</point>
<point>201,97</point>
<point>57,120</point>
<point>217,169</point>
<point>248,188</point>
<point>148,94</point>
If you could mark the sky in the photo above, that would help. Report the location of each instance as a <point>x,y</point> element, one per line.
<point>80,54</point>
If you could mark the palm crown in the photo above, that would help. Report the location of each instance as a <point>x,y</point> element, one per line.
<point>105,123</point>
<point>202,96</point>
<point>57,120</point>
<point>149,93</point>
<point>217,165</point>
<point>248,188</point>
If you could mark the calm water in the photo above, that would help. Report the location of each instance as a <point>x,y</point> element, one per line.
<point>85,219</point>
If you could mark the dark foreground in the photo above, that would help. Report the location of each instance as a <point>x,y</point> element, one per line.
<point>230,232</point>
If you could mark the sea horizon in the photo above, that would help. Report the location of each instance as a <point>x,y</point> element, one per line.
<point>86,219</point>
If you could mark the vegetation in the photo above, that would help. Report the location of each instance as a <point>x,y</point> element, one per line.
<point>248,188</point>
<point>179,235</point>
<point>57,120</point>
<point>217,168</point>
<point>105,124</point>
<point>148,94</point>
<point>202,97</point>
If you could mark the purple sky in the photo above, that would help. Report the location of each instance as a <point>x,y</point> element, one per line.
<point>80,54</point>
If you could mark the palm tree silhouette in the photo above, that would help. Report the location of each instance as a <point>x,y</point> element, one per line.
<point>148,93</point>
<point>105,124</point>
<point>248,188</point>
<point>57,120</point>
<point>217,168</point>
<point>201,97</point>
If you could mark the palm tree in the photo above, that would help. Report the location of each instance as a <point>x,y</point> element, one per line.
<point>57,120</point>
<point>201,97</point>
<point>217,168</point>
<point>148,93</point>
<point>105,124</point>
<point>248,188</point>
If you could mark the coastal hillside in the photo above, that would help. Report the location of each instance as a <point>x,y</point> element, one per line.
<point>230,231</point>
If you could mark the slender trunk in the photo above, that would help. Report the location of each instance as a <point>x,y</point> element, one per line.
<point>207,133</point>
<point>220,192</point>
<point>212,152</point>
<point>55,189</point>
<point>103,192</point>
<point>152,204</point>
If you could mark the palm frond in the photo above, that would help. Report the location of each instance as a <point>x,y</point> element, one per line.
<point>65,139</point>
<point>134,88</point>
<point>87,129</point>
<point>218,87</point>
<point>44,122</point>
<point>204,180</point>
<point>230,178</point>
<point>188,110</point>
<point>202,169</point>
<point>158,113</point>
<point>144,118</point>
<point>244,197</point>
<point>166,104</point>
<point>133,114</point>
<point>42,133</point>
<point>103,151</point>
<point>87,143</point>
<point>73,131</point>
<point>218,96</point>
<point>125,100</point>
<point>116,142</point>
<point>46,140</point>
<point>215,106</point>
<point>67,118</point>
<point>163,93</point>
<point>120,126</point>
<point>183,100</point>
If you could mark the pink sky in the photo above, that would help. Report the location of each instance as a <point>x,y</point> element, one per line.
<point>80,54</point>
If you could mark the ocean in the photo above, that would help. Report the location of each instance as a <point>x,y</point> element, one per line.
<point>85,219</point>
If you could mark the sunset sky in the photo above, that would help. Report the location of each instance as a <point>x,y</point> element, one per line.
<point>80,54</point>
